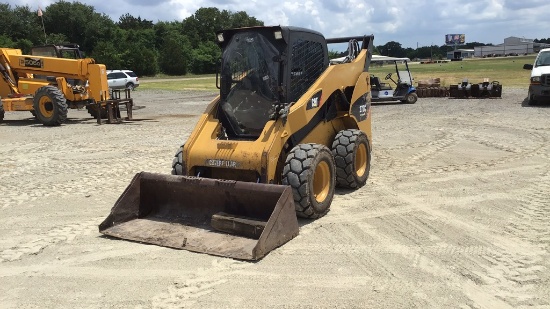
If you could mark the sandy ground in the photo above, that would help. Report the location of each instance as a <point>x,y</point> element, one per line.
<point>455,214</point>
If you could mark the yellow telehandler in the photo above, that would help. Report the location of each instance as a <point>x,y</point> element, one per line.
<point>48,86</point>
<point>286,128</point>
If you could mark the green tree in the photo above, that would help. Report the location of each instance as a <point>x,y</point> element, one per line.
<point>128,22</point>
<point>392,49</point>
<point>241,19</point>
<point>79,23</point>
<point>107,53</point>
<point>57,39</point>
<point>163,29</point>
<point>144,61</point>
<point>202,26</point>
<point>175,54</point>
<point>204,58</point>
<point>5,41</point>
<point>20,23</point>
<point>130,43</point>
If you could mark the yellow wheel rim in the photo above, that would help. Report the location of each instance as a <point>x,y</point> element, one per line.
<point>46,107</point>
<point>321,181</point>
<point>361,160</point>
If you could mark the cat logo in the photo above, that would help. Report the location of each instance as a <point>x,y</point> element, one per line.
<point>362,111</point>
<point>315,100</point>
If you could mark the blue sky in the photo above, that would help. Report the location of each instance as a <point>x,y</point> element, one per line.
<point>411,23</point>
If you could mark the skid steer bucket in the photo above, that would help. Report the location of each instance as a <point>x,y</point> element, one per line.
<point>241,220</point>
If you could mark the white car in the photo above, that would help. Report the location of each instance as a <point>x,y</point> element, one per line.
<point>122,79</point>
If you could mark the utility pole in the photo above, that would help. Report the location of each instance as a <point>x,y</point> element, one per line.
<point>43,28</point>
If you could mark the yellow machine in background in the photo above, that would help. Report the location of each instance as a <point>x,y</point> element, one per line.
<point>286,129</point>
<point>41,85</point>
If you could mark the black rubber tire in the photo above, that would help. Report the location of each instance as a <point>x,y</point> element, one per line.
<point>2,112</point>
<point>50,106</point>
<point>352,157</point>
<point>309,170</point>
<point>130,86</point>
<point>92,110</point>
<point>177,162</point>
<point>530,99</point>
<point>411,98</point>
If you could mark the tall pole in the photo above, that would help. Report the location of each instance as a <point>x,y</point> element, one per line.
<point>43,28</point>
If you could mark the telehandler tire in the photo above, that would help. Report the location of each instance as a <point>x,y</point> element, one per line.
<point>309,170</point>
<point>352,156</point>
<point>92,110</point>
<point>50,106</point>
<point>177,162</point>
<point>2,112</point>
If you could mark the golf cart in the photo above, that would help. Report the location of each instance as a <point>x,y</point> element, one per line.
<point>402,88</point>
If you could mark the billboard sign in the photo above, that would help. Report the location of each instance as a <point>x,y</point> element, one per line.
<point>455,39</point>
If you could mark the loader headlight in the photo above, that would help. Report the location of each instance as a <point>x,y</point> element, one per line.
<point>220,37</point>
<point>278,35</point>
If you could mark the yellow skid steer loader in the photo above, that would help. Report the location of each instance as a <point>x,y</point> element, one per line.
<point>286,128</point>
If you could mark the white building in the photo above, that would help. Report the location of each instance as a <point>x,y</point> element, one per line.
<point>511,45</point>
<point>459,54</point>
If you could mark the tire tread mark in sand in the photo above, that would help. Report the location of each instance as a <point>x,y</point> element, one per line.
<point>481,263</point>
<point>538,150</point>
<point>61,234</point>
<point>346,243</point>
<point>497,263</point>
<point>35,187</point>
<point>187,291</point>
<point>534,211</point>
<point>444,261</point>
<point>385,160</point>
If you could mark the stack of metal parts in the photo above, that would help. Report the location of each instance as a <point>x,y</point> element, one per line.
<point>431,88</point>
<point>485,89</point>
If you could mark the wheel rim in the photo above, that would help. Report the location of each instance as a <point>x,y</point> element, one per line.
<point>321,181</point>
<point>46,107</point>
<point>361,160</point>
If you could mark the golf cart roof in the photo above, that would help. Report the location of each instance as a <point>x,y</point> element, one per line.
<point>375,58</point>
<point>386,58</point>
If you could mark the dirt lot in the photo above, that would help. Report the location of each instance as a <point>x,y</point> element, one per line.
<point>455,214</point>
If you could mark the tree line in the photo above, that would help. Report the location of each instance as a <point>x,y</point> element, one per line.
<point>173,48</point>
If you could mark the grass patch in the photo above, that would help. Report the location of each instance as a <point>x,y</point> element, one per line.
<point>506,70</point>
<point>201,83</point>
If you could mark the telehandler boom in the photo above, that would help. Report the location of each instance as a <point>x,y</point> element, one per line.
<point>286,128</point>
